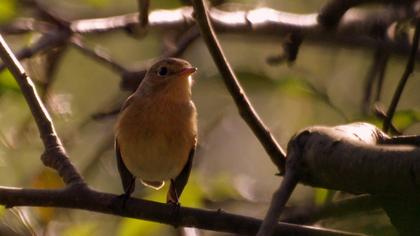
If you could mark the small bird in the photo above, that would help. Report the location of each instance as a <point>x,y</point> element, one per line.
<point>156,132</point>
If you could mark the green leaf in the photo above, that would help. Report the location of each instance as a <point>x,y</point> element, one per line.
<point>7,82</point>
<point>7,10</point>
<point>321,195</point>
<point>405,118</point>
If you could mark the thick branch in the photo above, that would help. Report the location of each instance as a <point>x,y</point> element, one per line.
<point>54,155</point>
<point>353,159</point>
<point>87,199</point>
<point>243,104</point>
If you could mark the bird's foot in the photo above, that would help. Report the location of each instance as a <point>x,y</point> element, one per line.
<point>176,212</point>
<point>118,203</point>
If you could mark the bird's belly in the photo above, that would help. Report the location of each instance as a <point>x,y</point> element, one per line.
<point>155,157</point>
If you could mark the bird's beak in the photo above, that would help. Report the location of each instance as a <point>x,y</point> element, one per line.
<point>187,71</point>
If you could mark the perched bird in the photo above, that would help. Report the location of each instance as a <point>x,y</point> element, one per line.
<point>156,132</point>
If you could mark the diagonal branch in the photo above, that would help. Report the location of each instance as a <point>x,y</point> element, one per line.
<point>98,55</point>
<point>54,154</point>
<point>242,102</point>
<point>407,72</point>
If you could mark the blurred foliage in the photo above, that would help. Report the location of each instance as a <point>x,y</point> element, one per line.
<point>320,196</point>
<point>7,10</point>
<point>8,83</point>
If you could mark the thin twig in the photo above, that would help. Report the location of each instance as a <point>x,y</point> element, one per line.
<point>143,6</point>
<point>54,154</point>
<point>381,76</point>
<point>280,198</point>
<point>47,41</point>
<point>356,204</point>
<point>185,40</point>
<point>26,25</point>
<point>403,140</point>
<point>408,70</point>
<point>243,104</point>
<point>97,54</point>
<point>376,73</point>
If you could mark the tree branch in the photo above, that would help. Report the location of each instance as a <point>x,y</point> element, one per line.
<point>407,72</point>
<point>356,28</point>
<point>143,6</point>
<point>333,11</point>
<point>47,41</point>
<point>91,200</point>
<point>242,102</point>
<point>54,154</point>
<point>98,55</point>
<point>310,215</point>
<point>345,157</point>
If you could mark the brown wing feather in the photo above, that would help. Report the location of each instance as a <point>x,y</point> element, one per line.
<point>178,184</point>
<point>127,179</point>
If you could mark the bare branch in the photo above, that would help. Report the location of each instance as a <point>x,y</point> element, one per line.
<point>310,215</point>
<point>280,198</point>
<point>376,73</point>
<point>87,199</point>
<point>26,25</point>
<point>183,42</point>
<point>408,70</point>
<point>333,11</point>
<point>46,42</point>
<point>143,6</point>
<point>54,155</point>
<point>357,27</point>
<point>98,55</point>
<point>243,104</point>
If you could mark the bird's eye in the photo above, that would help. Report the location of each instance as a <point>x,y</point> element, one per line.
<point>163,71</point>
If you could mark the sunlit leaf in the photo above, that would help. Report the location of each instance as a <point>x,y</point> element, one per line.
<point>2,210</point>
<point>85,229</point>
<point>7,10</point>
<point>403,119</point>
<point>320,196</point>
<point>7,82</point>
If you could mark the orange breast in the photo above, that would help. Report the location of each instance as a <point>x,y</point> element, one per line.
<point>156,136</point>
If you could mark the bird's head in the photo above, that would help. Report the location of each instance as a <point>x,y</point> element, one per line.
<point>170,76</point>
